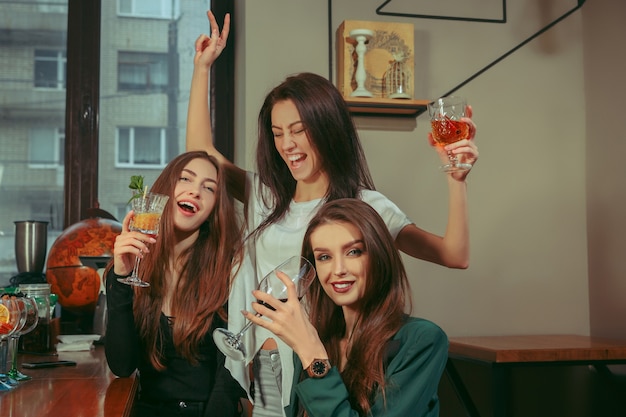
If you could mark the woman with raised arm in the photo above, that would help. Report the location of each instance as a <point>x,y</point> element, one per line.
<point>308,152</point>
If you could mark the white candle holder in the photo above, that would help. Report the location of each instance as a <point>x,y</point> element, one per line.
<point>361,36</point>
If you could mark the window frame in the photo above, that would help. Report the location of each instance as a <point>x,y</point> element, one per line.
<point>61,68</point>
<point>131,148</point>
<point>160,58</point>
<point>162,15</point>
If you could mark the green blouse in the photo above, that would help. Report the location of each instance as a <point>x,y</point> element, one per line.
<point>412,377</point>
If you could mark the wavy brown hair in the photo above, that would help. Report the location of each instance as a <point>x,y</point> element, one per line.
<point>331,131</point>
<point>382,308</point>
<point>205,275</point>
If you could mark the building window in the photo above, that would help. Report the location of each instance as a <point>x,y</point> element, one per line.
<point>140,147</point>
<point>164,9</point>
<point>46,147</point>
<point>50,69</point>
<point>52,6</point>
<point>139,71</point>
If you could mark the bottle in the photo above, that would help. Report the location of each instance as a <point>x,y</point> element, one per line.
<point>39,339</point>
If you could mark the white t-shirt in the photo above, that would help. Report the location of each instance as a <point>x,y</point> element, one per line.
<point>274,245</point>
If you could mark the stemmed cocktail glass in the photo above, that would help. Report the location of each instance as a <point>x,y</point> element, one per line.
<point>301,273</point>
<point>29,305</point>
<point>147,208</point>
<point>11,318</point>
<point>446,116</point>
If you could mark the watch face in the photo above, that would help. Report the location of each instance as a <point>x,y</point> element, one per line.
<point>318,368</point>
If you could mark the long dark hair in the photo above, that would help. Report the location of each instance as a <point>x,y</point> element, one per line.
<point>382,308</point>
<point>204,280</point>
<point>331,131</point>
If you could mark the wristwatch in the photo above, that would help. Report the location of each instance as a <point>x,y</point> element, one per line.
<point>318,368</point>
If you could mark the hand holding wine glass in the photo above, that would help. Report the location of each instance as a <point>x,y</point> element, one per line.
<point>287,319</point>
<point>147,209</point>
<point>299,270</point>
<point>448,119</point>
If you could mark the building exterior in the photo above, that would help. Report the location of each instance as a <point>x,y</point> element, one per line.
<point>147,49</point>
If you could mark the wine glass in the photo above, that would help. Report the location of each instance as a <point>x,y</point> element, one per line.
<point>11,318</point>
<point>29,305</point>
<point>147,208</point>
<point>446,115</point>
<point>301,273</point>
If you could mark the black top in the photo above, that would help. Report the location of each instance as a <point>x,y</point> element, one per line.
<point>208,381</point>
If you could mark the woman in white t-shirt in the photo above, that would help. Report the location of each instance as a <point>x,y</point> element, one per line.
<point>308,152</point>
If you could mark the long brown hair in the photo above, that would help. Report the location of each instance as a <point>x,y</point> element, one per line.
<point>382,308</point>
<point>331,131</point>
<point>205,277</point>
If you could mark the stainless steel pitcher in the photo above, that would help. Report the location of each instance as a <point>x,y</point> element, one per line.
<point>31,245</point>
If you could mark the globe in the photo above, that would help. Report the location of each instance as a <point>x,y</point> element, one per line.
<point>78,285</point>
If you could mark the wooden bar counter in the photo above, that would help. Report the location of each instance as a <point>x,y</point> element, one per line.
<point>87,389</point>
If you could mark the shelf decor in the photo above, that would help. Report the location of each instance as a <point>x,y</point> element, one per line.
<point>390,48</point>
<point>387,59</point>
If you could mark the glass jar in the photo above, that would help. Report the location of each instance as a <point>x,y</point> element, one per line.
<point>39,340</point>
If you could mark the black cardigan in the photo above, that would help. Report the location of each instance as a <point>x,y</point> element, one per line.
<point>208,381</point>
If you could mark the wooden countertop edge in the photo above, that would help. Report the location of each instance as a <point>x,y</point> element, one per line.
<point>538,348</point>
<point>120,396</point>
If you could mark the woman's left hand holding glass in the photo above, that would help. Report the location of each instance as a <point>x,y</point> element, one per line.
<point>465,149</point>
<point>289,321</point>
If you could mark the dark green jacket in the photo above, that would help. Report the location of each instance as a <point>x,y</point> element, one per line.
<point>412,377</point>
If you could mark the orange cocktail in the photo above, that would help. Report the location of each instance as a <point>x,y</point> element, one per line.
<point>147,223</point>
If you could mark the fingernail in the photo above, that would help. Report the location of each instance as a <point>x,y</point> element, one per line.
<point>244,312</point>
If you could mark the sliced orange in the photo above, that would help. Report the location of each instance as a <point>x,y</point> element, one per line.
<point>5,315</point>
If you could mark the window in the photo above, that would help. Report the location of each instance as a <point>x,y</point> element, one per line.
<point>50,69</point>
<point>51,6</point>
<point>165,9</point>
<point>46,147</point>
<point>142,71</point>
<point>141,147</point>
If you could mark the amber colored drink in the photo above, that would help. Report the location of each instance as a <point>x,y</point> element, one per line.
<point>146,223</point>
<point>446,131</point>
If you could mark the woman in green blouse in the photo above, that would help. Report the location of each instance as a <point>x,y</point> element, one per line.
<point>360,354</point>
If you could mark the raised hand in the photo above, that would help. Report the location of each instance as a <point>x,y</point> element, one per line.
<point>208,49</point>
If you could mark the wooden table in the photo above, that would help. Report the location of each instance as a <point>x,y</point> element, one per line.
<point>87,389</point>
<point>502,353</point>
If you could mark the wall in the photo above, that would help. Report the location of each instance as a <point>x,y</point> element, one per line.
<point>605,66</point>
